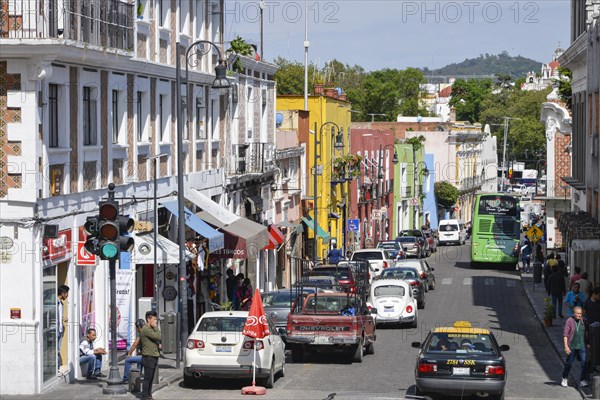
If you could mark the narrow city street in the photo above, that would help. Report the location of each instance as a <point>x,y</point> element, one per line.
<point>487,298</point>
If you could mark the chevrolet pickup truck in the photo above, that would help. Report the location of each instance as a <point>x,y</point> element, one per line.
<point>331,322</point>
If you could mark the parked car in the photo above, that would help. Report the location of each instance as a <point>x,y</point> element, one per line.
<point>216,348</point>
<point>425,271</point>
<point>394,248</point>
<point>277,304</point>
<point>411,275</point>
<point>462,361</point>
<point>420,235</point>
<point>452,231</point>
<point>378,259</point>
<point>346,274</point>
<point>412,246</point>
<point>394,301</point>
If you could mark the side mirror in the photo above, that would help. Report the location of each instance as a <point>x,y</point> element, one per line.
<point>416,345</point>
<point>282,331</point>
<point>373,311</point>
<point>504,347</point>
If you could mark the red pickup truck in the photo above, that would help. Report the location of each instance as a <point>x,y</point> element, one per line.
<point>331,322</point>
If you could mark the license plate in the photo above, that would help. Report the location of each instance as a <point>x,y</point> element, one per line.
<point>461,371</point>
<point>223,349</point>
<point>389,309</point>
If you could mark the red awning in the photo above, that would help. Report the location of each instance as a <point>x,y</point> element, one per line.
<point>276,237</point>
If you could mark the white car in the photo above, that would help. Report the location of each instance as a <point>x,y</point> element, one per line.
<point>394,301</point>
<point>217,349</point>
<point>378,259</point>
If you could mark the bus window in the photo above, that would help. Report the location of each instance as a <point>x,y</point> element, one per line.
<point>498,205</point>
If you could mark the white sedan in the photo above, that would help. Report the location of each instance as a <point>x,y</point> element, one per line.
<point>216,348</point>
<point>393,299</point>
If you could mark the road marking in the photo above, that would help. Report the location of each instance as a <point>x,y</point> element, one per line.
<point>468,281</point>
<point>447,281</point>
<point>488,281</point>
<point>511,282</point>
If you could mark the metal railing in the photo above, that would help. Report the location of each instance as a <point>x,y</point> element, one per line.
<point>252,158</point>
<point>406,191</point>
<point>106,23</point>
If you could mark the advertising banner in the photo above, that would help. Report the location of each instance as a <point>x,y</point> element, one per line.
<point>125,323</point>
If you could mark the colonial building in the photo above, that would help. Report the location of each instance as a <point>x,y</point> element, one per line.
<point>547,75</point>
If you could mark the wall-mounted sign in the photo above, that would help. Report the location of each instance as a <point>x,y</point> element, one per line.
<point>59,249</point>
<point>15,313</point>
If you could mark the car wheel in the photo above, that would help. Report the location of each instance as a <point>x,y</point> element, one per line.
<point>432,286</point>
<point>359,352</point>
<point>269,380</point>
<point>189,381</point>
<point>415,323</point>
<point>419,392</point>
<point>370,348</point>
<point>282,372</point>
<point>421,304</point>
<point>297,354</point>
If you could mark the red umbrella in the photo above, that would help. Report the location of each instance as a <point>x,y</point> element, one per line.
<point>256,327</point>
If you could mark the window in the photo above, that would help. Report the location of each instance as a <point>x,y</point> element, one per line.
<point>90,127</point>
<point>115,116</point>
<point>140,124</point>
<point>161,117</point>
<point>184,116</point>
<point>53,116</point>
<point>200,132</point>
<point>163,10</point>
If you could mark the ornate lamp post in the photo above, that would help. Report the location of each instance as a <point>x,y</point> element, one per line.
<point>380,175</point>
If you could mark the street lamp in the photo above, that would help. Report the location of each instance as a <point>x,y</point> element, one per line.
<point>380,175</point>
<point>334,128</point>
<point>222,84</point>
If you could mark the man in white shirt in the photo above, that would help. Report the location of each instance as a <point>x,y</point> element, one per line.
<point>91,356</point>
<point>61,320</point>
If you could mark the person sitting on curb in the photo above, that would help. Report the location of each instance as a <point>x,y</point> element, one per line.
<point>91,356</point>
<point>575,347</point>
<point>135,347</point>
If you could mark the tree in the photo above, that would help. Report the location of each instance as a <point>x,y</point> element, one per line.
<point>446,194</point>
<point>238,46</point>
<point>467,97</point>
<point>564,86</point>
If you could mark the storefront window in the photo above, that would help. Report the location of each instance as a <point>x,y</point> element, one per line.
<point>49,323</point>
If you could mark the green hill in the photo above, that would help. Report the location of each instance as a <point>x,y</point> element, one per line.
<point>487,64</point>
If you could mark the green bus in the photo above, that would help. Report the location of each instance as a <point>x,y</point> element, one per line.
<point>496,230</point>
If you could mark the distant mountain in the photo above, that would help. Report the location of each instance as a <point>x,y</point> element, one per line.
<point>487,64</point>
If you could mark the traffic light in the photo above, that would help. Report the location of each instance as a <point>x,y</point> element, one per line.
<point>108,232</point>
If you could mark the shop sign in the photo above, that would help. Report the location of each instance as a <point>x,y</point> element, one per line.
<point>58,249</point>
<point>84,257</point>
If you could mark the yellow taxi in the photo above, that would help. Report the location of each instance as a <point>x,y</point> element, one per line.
<point>461,360</point>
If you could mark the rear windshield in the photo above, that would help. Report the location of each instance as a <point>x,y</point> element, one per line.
<point>399,273</point>
<point>388,246</point>
<point>408,239</point>
<point>328,303</point>
<point>281,299</point>
<point>448,228</point>
<point>341,274</point>
<point>460,343</point>
<point>221,324</point>
<point>389,290</point>
<point>368,255</point>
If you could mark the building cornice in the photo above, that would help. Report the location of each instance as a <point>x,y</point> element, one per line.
<point>576,53</point>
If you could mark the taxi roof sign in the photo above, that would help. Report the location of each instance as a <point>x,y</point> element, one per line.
<point>462,324</point>
<point>461,327</point>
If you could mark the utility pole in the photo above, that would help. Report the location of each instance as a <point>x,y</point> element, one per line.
<point>504,152</point>
<point>306,45</point>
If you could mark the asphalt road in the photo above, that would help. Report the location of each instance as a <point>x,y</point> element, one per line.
<point>485,297</point>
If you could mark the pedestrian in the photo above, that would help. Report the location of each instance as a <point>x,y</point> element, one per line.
<point>574,298</point>
<point>150,338</point>
<point>591,317</point>
<point>230,284</point>
<point>575,346</point>
<point>526,251</point>
<point>334,254</point>
<point>61,319</point>
<point>91,356</point>
<point>238,291</point>
<point>136,347</point>
<point>575,277</point>
<point>556,289</point>
<point>246,295</point>
<point>585,285</point>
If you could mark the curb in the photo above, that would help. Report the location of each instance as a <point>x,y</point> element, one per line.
<point>166,382</point>
<point>554,346</point>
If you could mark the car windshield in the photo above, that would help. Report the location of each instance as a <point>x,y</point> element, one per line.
<point>278,299</point>
<point>328,303</point>
<point>367,255</point>
<point>221,324</point>
<point>399,273</point>
<point>388,245</point>
<point>341,274</point>
<point>461,343</point>
<point>388,290</point>
<point>407,239</point>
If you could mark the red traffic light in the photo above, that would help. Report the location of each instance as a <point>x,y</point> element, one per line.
<point>109,210</point>
<point>109,230</point>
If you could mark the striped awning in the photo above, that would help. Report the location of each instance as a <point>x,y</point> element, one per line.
<point>276,237</point>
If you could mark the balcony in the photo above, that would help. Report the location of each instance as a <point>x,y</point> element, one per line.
<point>105,23</point>
<point>252,158</point>
<point>470,183</point>
<point>406,192</point>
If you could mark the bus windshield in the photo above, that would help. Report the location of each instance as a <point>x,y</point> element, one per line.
<point>498,205</point>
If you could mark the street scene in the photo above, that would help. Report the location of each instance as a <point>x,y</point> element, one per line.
<point>215,199</point>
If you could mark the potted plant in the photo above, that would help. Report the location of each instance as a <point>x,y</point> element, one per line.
<point>548,312</point>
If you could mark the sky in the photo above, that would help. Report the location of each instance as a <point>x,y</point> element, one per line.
<point>381,34</point>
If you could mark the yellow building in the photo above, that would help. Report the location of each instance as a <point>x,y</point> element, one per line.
<point>330,121</point>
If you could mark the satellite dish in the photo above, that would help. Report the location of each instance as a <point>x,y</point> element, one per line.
<point>339,90</point>
<point>278,119</point>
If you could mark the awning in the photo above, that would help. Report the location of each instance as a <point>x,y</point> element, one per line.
<point>585,245</point>
<point>167,252</point>
<point>243,238</point>
<point>308,221</point>
<point>276,237</point>
<point>216,239</point>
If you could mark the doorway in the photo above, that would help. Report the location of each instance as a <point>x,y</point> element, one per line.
<point>49,354</point>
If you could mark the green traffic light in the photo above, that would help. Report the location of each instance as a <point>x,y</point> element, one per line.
<point>109,251</point>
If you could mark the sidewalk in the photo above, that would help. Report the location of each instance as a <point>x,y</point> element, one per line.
<point>536,297</point>
<point>82,389</point>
